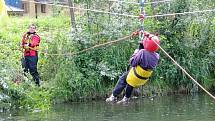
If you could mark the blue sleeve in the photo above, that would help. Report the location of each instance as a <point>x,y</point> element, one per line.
<point>135,58</point>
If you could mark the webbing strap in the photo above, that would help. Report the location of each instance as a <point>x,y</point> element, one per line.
<point>138,76</point>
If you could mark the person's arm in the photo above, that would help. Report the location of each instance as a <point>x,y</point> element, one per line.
<point>23,44</point>
<point>135,58</point>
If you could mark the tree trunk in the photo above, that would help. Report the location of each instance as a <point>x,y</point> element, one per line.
<point>72,14</point>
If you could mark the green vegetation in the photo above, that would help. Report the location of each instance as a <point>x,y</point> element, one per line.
<point>187,38</point>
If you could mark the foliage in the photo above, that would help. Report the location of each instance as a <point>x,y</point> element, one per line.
<point>189,39</point>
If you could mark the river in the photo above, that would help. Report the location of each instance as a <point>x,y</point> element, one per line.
<point>164,108</point>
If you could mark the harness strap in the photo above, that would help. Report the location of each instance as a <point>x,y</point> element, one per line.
<point>138,76</point>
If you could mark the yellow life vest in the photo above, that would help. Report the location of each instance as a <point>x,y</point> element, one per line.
<point>138,76</point>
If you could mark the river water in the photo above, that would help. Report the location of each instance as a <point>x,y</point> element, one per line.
<point>165,108</point>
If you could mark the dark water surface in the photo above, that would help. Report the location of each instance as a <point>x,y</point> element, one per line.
<point>166,108</point>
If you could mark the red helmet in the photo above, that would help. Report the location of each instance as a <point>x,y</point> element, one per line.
<point>149,43</point>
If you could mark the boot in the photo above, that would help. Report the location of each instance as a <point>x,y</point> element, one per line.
<point>111,99</point>
<point>37,81</point>
<point>125,100</point>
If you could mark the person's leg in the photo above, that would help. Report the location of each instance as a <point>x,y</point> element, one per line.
<point>127,96</point>
<point>118,88</point>
<point>25,65</point>
<point>128,91</point>
<point>121,84</point>
<point>33,69</point>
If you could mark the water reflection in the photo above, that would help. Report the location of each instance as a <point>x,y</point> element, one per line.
<point>167,108</point>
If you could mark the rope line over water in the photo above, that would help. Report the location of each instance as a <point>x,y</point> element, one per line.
<point>128,15</point>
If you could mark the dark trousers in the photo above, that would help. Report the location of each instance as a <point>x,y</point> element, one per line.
<point>29,63</point>
<point>121,85</point>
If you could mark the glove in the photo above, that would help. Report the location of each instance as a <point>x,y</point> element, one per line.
<point>136,51</point>
<point>134,34</point>
<point>26,46</point>
<point>141,45</point>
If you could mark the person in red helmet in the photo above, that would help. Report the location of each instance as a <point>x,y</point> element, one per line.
<point>142,63</point>
<point>30,43</point>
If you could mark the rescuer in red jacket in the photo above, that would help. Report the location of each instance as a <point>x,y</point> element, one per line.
<point>30,43</point>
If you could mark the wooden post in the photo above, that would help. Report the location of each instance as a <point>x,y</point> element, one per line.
<point>36,11</point>
<point>72,14</point>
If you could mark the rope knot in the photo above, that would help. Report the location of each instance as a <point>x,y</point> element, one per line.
<point>141,17</point>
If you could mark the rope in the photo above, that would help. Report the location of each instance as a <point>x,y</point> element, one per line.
<point>184,71</point>
<point>90,48</point>
<point>127,15</point>
<point>184,13</point>
<point>142,15</point>
<point>84,9</point>
<point>135,3</point>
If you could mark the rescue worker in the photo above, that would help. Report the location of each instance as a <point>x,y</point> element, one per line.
<point>142,63</point>
<point>30,43</point>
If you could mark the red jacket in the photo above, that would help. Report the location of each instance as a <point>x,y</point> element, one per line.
<point>32,41</point>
